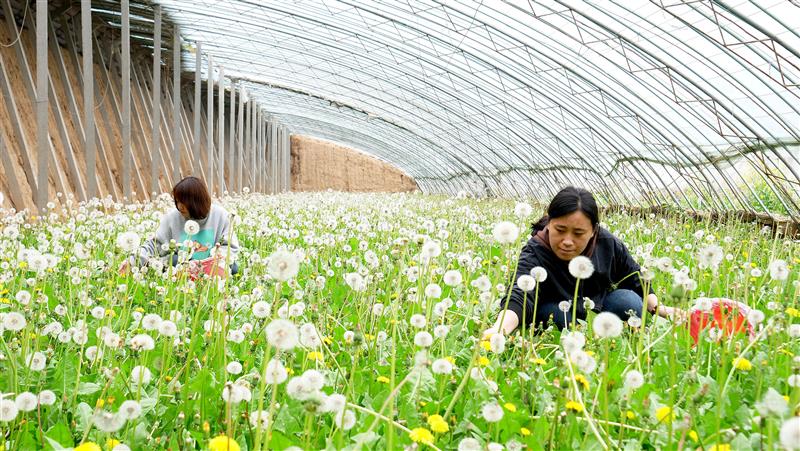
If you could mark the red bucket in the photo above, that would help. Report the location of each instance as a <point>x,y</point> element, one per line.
<point>727,315</point>
<point>209,266</point>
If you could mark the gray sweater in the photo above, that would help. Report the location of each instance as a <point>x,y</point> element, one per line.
<point>214,229</point>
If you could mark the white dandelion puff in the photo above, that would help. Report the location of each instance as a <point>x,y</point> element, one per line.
<point>581,267</point>
<point>607,325</point>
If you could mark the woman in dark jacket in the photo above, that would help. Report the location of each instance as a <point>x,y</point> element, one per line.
<point>571,229</point>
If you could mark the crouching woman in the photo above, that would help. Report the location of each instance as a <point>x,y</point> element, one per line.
<point>194,220</point>
<point>610,275</point>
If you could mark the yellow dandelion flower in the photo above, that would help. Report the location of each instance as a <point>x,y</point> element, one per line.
<point>100,403</point>
<point>510,407</point>
<point>665,414</point>
<point>539,361</point>
<point>223,443</point>
<point>450,359</point>
<point>693,435</point>
<point>525,431</point>
<point>383,379</point>
<point>581,379</point>
<point>720,447</point>
<point>483,361</point>
<point>630,414</point>
<point>314,355</point>
<point>111,443</point>
<point>88,446</point>
<point>421,435</point>
<point>574,406</point>
<point>486,345</point>
<point>793,312</point>
<point>437,424</point>
<point>327,340</point>
<point>742,364</point>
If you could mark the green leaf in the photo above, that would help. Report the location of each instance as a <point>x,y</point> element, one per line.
<point>365,438</point>
<point>54,445</point>
<point>87,388</point>
<point>84,416</point>
<point>61,435</point>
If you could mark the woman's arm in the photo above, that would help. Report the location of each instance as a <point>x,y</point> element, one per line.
<point>509,316</point>
<point>664,311</point>
<point>510,321</point>
<point>228,238</point>
<point>152,247</point>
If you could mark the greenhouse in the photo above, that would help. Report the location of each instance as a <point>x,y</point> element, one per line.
<point>381,224</point>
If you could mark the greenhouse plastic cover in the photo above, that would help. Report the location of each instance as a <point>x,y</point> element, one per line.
<point>645,102</point>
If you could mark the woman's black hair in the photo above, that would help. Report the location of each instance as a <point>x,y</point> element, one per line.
<point>568,201</point>
<point>192,192</point>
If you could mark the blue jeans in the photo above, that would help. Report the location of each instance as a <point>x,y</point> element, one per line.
<point>619,302</point>
<point>234,267</point>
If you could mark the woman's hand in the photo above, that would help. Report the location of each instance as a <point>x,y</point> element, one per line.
<point>505,324</point>
<point>487,334</point>
<point>124,267</point>
<point>664,311</point>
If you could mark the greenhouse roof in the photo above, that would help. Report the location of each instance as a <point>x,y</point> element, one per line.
<point>693,102</point>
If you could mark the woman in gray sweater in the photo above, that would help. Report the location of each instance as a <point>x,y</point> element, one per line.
<point>195,220</point>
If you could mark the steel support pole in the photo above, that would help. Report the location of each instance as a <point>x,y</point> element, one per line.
<point>231,154</point>
<point>197,107</point>
<point>240,153</point>
<point>273,158</point>
<point>89,148</point>
<point>263,152</point>
<point>253,111</point>
<point>176,106</point>
<point>221,134</point>
<point>287,161</point>
<point>281,155</point>
<point>210,126</point>
<point>246,145</point>
<point>155,142</point>
<point>42,105</point>
<point>126,100</point>
<point>257,166</point>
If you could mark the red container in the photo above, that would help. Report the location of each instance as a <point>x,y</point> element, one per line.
<point>725,314</point>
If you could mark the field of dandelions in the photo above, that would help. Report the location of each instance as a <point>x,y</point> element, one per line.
<point>356,322</point>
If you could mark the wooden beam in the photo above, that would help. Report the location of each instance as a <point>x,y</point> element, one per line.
<point>67,147</point>
<point>16,123</point>
<point>11,178</point>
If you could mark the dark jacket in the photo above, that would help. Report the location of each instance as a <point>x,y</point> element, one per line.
<point>612,263</point>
